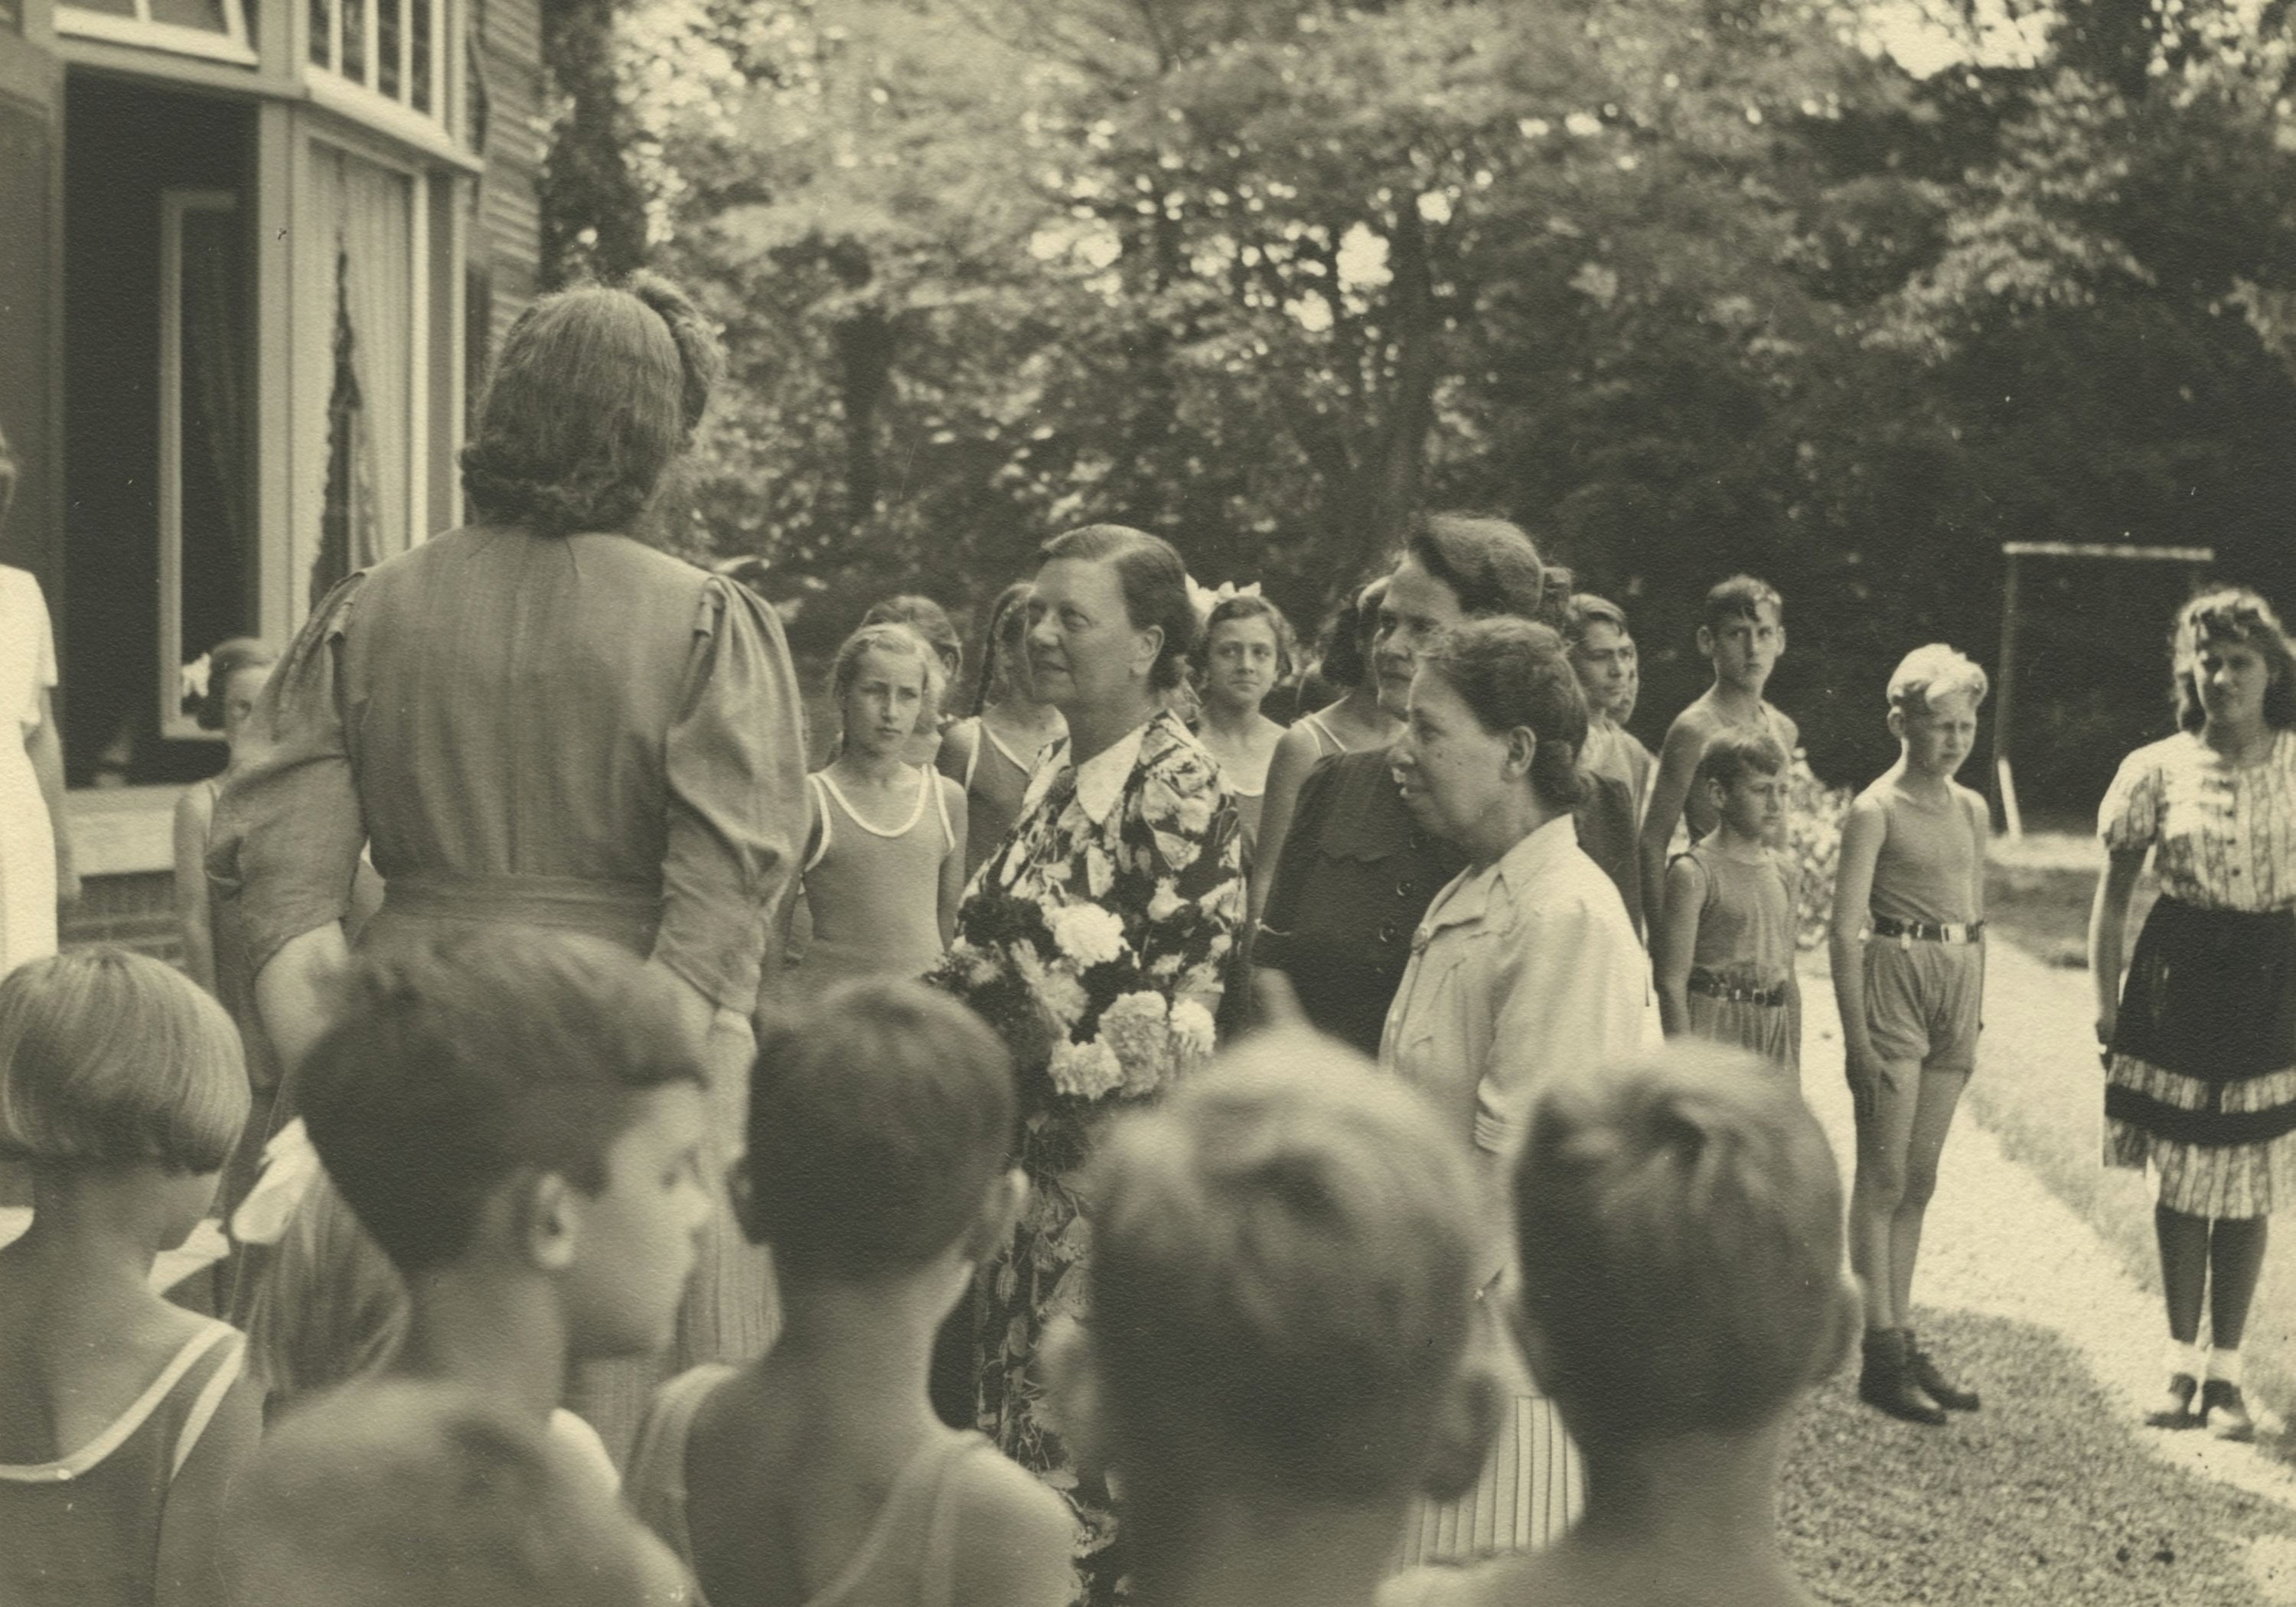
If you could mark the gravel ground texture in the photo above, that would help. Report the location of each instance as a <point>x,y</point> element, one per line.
<point>2055,1492</point>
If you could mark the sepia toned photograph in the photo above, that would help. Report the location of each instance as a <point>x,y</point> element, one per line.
<point>1191,803</point>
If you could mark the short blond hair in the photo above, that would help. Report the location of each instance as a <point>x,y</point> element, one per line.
<point>1935,671</point>
<point>1283,1278</point>
<point>108,1056</point>
<point>1679,1221</point>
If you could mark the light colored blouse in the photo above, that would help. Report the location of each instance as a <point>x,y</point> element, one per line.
<point>2222,836</point>
<point>1520,972</point>
<point>525,727</point>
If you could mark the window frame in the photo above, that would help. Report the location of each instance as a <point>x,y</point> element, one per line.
<point>362,97</point>
<point>233,44</point>
<point>174,204</point>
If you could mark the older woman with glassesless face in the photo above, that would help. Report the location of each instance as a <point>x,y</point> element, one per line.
<point>1355,871</point>
<point>1125,860</point>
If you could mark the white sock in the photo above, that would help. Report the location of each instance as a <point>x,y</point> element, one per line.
<point>2190,1360</point>
<point>2223,1366</point>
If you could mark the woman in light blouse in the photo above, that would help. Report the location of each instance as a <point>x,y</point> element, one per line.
<point>1525,966</point>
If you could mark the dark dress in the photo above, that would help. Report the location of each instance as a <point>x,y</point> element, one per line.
<point>1356,872</point>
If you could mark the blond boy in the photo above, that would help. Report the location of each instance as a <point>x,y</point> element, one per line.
<point>1678,1220</point>
<point>1907,946</point>
<point>1279,1354</point>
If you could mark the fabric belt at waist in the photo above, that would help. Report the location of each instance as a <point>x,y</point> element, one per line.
<point>627,913</point>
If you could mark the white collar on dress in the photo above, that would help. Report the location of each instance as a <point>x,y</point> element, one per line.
<point>1521,866</point>
<point>1099,780</point>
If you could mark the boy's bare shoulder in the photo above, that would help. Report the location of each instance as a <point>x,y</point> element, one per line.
<point>1793,731</point>
<point>1700,719</point>
<point>1972,801</point>
<point>1007,1512</point>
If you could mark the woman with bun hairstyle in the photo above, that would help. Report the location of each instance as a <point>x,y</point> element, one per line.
<point>538,719</point>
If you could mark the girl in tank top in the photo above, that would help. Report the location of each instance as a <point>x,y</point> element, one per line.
<point>884,864</point>
<point>1247,649</point>
<point>992,753</point>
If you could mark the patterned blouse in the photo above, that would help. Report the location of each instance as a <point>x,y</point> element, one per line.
<point>2224,838</point>
<point>1096,937</point>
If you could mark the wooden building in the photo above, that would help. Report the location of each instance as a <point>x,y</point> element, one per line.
<point>252,256</point>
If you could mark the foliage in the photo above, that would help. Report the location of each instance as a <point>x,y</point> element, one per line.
<point>1684,288</point>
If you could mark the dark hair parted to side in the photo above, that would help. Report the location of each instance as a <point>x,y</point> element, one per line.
<point>878,1119</point>
<point>1732,753</point>
<point>1586,608</point>
<point>1155,583</point>
<point>224,661</point>
<point>595,392</point>
<point>1283,1279</point>
<point>456,1065</point>
<point>1679,1223</point>
<point>1740,597</point>
<point>108,1056</point>
<point>1513,672</point>
<point>1490,565</point>
<point>2231,613</point>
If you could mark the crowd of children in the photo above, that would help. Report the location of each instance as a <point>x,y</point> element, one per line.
<point>1284,1352</point>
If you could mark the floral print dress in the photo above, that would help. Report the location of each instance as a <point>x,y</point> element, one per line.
<point>1094,940</point>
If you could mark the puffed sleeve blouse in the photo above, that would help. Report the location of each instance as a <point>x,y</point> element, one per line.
<point>497,709</point>
<point>2222,836</point>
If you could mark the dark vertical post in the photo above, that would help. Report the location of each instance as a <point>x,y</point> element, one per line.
<point>2007,680</point>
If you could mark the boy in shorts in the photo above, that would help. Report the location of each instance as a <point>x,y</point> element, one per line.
<point>1279,1354</point>
<point>1908,952</point>
<point>1743,634</point>
<point>1679,1222</point>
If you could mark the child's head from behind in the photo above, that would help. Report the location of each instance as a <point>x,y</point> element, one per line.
<point>1935,693</point>
<point>1679,1223</point>
<point>1744,774</point>
<point>887,683</point>
<point>531,1099</point>
<point>1741,629</point>
<point>109,1059</point>
<point>1283,1284</point>
<point>881,1127</point>
<point>402,1495</point>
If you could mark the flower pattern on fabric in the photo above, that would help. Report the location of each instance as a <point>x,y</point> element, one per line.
<point>1096,948</point>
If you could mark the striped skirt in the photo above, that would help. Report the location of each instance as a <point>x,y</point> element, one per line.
<point>1530,1491</point>
<point>2199,1085</point>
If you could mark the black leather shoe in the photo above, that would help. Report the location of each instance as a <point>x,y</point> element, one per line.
<point>1940,1389</point>
<point>2224,1412</point>
<point>1886,1381</point>
<point>2176,1409</point>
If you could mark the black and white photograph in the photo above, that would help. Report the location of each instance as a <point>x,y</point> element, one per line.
<point>1147,803</point>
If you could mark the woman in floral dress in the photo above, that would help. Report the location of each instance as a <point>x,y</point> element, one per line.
<point>2200,1047</point>
<point>1095,940</point>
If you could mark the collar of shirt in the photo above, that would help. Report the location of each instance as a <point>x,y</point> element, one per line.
<point>1099,780</point>
<point>1476,896</point>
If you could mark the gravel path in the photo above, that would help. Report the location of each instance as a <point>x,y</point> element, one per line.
<point>2055,1492</point>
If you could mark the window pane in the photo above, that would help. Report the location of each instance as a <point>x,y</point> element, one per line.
<point>207,15</point>
<point>418,19</point>
<point>322,32</point>
<point>388,14</point>
<point>354,63</point>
